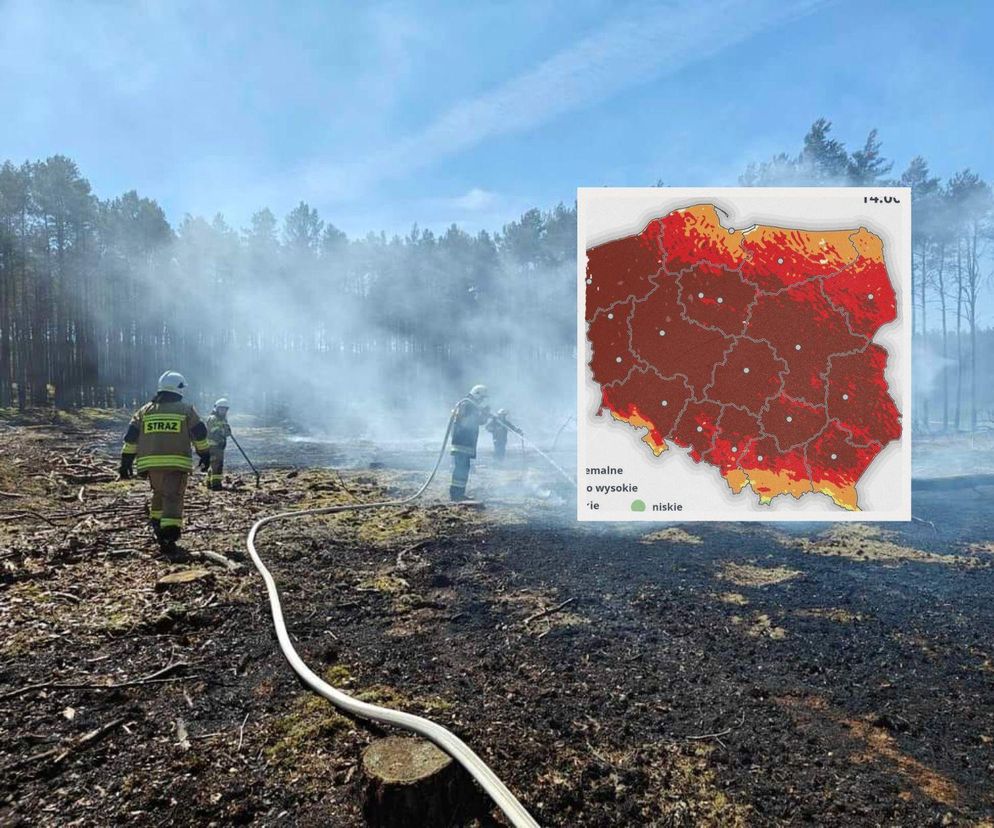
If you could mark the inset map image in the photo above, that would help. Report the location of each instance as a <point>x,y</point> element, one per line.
<point>744,354</point>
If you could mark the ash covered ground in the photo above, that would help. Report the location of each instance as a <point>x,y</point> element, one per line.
<point>721,674</point>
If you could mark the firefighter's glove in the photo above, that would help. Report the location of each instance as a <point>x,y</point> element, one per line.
<point>126,469</point>
<point>205,462</point>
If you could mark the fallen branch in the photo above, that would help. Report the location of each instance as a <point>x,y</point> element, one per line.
<point>61,755</point>
<point>157,677</point>
<point>399,564</point>
<point>550,611</point>
<point>216,558</point>
<point>12,494</point>
<point>23,513</point>
<point>241,733</point>
<point>719,734</point>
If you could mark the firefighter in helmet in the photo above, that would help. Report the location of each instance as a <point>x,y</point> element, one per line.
<point>157,446</point>
<point>498,426</point>
<point>218,432</point>
<point>469,414</point>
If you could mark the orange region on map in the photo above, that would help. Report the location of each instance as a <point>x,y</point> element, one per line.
<point>752,348</point>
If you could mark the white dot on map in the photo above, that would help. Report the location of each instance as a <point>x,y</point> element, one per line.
<point>662,333</point>
<point>735,448</point>
<point>797,347</point>
<point>720,300</point>
<point>665,403</point>
<point>745,370</point>
<point>590,281</point>
<point>835,457</point>
<point>790,419</point>
<point>617,359</point>
<point>700,295</point>
<point>610,316</point>
<point>760,458</point>
<point>845,396</point>
<point>731,229</point>
<point>869,296</point>
<point>700,428</point>
<point>780,260</point>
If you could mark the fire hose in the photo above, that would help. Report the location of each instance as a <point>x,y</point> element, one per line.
<point>549,460</point>
<point>444,739</point>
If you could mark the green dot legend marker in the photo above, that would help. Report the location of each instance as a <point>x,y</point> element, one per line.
<point>638,505</point>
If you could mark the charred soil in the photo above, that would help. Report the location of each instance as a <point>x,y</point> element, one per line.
<point>718,674</point>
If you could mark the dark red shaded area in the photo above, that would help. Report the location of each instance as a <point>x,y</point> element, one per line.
<point>725,300</point>
<point>698,415</point>
<point>805,421</point>
<point>803,316</point>
<point>851,290</point>
<point>685,348</point>
<point>621,268</point>
<point>761,453</point>
<point>750,389</point>
<point>801,258</point>
<point>608,334</point>
<point>849,461</point>
<point>869,412</point>
<point>736,431</point>
<point>644,393</point>
<point>695,235</point>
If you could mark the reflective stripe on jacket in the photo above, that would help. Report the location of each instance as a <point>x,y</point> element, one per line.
<point>160,435</point>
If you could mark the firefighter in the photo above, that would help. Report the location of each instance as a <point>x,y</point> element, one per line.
<point>218,432</point>
<point>470,413</point>
<point>157,446</point>
<point>498,426</point>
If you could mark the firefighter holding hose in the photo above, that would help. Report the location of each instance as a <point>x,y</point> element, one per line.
<point>470,413</point>
<point>157,445</point>
<point>498,427</point>
<point>218,432</point>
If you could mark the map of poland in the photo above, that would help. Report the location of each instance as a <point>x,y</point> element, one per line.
<point>750,349</point>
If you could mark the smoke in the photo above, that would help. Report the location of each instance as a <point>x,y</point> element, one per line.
<point>373,338</point>
<point>927,367</point>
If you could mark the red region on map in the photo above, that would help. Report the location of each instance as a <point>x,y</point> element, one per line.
<point>751,348</point>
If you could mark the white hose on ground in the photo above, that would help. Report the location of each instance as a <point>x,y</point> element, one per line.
<point>447,741</point>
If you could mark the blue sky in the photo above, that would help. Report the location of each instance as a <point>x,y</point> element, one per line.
<point>381,115</point>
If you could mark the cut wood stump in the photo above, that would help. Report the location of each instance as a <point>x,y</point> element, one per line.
<point>409,781</point>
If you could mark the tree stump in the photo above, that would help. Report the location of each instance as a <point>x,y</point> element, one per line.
<point>411,782</point>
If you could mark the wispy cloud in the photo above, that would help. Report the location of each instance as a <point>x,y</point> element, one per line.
<point>634,51</point>
<point>474,199</point>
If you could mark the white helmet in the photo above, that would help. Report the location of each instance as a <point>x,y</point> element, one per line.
<point>222,403</point>
<point>172,381</point>
<point>478,392</point>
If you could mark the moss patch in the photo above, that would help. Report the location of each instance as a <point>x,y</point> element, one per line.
<point>673,534</point>
<point>869,543</point>
<point>756,576</point>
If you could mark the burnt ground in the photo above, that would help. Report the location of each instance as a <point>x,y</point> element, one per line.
<point>722,674</point>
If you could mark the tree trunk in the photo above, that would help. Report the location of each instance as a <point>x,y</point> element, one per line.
<point>411,782</point>
<point>925,355</point>
<point>945,337</point>
<point>959,333</point>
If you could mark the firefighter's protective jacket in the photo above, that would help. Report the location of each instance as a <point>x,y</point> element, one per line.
<point>499,426</point>
<point>161,432</point>
<point>217,430</point>
<point>466,428</point>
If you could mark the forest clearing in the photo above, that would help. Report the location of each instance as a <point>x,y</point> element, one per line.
<point>728,674</point>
